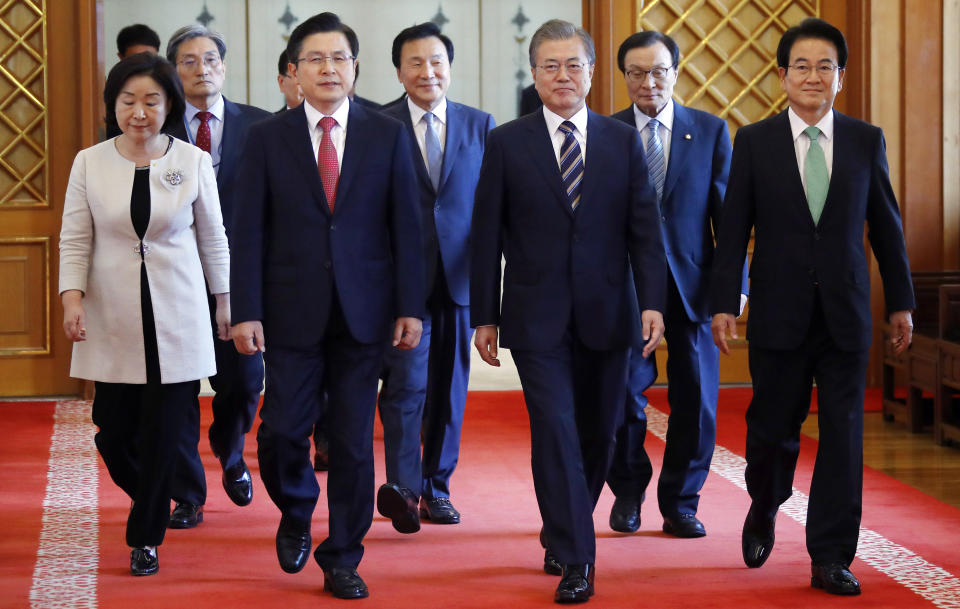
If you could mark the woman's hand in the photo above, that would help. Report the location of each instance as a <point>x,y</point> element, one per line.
<point>74,317</point>
<point>223,316</point>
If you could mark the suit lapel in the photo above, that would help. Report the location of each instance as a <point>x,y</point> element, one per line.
<point>402,112</point>
<point>593,162</point>
<point>228,143</point>
<point>359,131</point>
<point>454,139</point>
<point>298,138</point>
<point>682,137</point>
<point>785,155</point>
<point>543,156</point>
<point>843,155</point>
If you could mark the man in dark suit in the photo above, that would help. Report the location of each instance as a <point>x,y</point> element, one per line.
<point>688,155</point>
<point>529,100</point>
<point>132,39</point>
<point>218,126</point>
<point>564,195</point>
<point>327,258</point>
<point>289,87</point>
<point>806,181</point>
<point>426,388</point>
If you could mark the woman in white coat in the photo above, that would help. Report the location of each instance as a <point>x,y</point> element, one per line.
<point>141,230</point>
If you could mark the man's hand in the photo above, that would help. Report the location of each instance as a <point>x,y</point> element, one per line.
<point>651,328</point>
<point>901,331</point>
<point>406,333</point>
<point>485,340</point>
<point>248,337</point>
<point>723,323</point>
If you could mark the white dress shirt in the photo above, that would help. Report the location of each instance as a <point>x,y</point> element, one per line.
<point>579,121</point>
<point>665,117</point>
<point>338,133</point>
<point>216,128</point>
<point>801,143</point>
<point>420,126</point>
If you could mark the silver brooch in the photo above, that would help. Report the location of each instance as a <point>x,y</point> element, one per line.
<point>173,177</point>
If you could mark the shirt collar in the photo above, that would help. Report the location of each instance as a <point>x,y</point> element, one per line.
<point>416,112</point>
<point>339,115</point>
<point>797,124</point>
<point>579,120</point>
<point>665,117</point>
<point>216,110</point>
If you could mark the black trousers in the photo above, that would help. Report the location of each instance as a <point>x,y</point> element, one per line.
<point>782,384</point>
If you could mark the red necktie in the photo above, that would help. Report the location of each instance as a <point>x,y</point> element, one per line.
<point>327,161</point>
<point>203,132</point>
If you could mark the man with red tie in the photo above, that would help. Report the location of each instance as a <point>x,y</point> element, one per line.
<point>218,126</point>
<point>328,260</point>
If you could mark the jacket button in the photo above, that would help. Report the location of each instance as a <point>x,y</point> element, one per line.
<point>333,227</point>
<point>327,265</point>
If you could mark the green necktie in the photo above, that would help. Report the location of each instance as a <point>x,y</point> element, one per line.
<point>815,172</point>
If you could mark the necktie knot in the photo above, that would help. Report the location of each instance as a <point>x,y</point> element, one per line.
<point>654,126</point>
<point>428,118</point>
<point>327,123</point>
<point>204,116</point>
<point>567,127</point>
<point>812,132</point>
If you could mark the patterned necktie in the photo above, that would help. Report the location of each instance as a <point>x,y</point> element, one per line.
<point>815,173</point>
<point>327,161</point>
<point>656,164</point>
<point>571,164</point>
<point>203,132</point>
<point>434,151</point>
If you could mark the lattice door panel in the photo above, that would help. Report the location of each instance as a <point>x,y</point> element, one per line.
<point>728,48</point>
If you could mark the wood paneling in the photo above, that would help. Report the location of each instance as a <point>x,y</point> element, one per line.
<point>24,324</point>
<point>609,23</point>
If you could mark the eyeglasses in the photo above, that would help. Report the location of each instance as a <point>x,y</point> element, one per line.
<point>573,68</point>
<point>190,62</point>
<point>659,74</point>
<point>338,60</point>
<point>825,70</point>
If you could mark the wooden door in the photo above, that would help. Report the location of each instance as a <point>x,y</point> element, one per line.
<point>46,116</point>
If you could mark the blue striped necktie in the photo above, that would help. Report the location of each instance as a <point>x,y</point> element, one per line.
<point>656,164</point>
<point>571,164</point>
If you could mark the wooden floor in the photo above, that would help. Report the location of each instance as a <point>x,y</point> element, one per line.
<point>911,458</point>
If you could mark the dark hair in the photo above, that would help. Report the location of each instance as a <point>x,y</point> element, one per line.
<point>558,29</point>
<point>416,32</point>
<point>282,63</point>
<point>320,24</point>
<point>135,34</point>
<point>642,40</point>
<point>157,68</point>
<point>189,32</point>
<point>812,28</point>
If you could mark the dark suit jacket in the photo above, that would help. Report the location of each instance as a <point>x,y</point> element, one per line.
<point>529,100</point>
<point>290,255</point>
<point>793,259</point>
<point>446,215</point>
<point>237,119</point>
<point>565,266</point>
<point>692,200</point>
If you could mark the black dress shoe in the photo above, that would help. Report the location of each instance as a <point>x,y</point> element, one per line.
<point>293,544</point>
<point>834,578</point>
<point>576,585</point>
<point>625,515</point>
<point>683,525</point>
<point>185,516</point>
<point>551,566</point>
<point>344,583</point>
<point>757,539</point>
<point>399,504</point>
<point>439,511</point>
<point>143,562</point>
<point>238,484</point>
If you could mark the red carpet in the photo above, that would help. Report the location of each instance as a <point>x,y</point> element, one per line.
<point>492,559</point>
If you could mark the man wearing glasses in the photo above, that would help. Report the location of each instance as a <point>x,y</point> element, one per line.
<point>805,182</point>
<point>565,195</point>
<point>688,156</point>
<point>327,260</point>
<point>218,126</point>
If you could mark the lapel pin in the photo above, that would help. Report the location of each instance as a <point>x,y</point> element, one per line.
<point>688,137</point>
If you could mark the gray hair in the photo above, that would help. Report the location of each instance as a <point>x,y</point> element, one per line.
<point>189,32</point>
<point>558,29</point>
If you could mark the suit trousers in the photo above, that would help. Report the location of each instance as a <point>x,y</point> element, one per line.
<point>424,393</point>
<point>237,386</point>
<point>782,386</point>
<point>631,470</point>
<point>296,378</point>
<point>574,397</point>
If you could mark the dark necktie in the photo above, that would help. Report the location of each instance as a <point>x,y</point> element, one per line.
<point>327,161</point>
<point>571,164</point>
<point>203,132</point>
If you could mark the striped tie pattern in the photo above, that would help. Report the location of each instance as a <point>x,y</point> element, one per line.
<point>656,164</point>
<point>571,164</point>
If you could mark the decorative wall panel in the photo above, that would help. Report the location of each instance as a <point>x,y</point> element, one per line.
<point>25,297</point>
